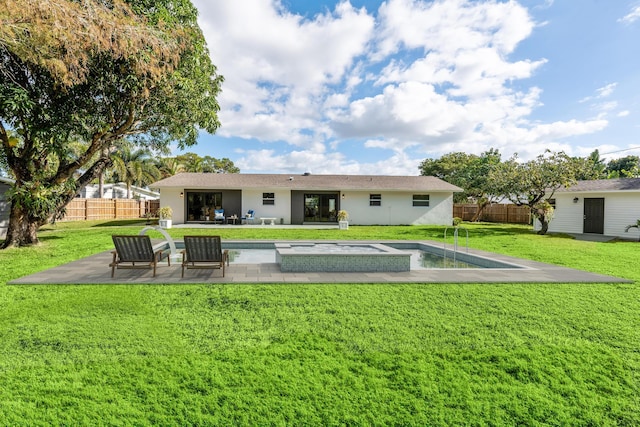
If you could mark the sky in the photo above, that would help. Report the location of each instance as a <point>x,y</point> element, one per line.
<point>376,87</point>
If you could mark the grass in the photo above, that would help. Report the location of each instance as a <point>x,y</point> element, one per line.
<point>372,354</point>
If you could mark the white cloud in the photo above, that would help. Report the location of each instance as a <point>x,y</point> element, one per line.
<point>632,16</point>
<point>278,65</point>
<point>417,76</point>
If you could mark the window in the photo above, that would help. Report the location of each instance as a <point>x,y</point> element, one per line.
<point>420,200</point>
<point>268,198</point>
<point>375,199</point>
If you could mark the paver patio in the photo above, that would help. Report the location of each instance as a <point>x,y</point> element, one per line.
<point>95,270</point>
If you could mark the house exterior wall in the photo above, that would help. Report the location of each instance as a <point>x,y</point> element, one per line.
<point>111,191</point>
<point>5,208</point>
<point>620,209</point>
<point>397,208</point>
<point>252,199</point>
<point>171,197</point>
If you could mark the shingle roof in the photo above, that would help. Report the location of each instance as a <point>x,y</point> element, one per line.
<point>618,184</point>
<point>305,182</point>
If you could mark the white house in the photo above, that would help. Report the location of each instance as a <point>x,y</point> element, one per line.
<point>5,206</point>
<point>603,206</point>
<point>117,191</point>
<point>307,198</point>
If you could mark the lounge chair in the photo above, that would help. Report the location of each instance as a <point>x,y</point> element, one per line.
<point>204,252</point>
<point>137,251</point>
<point>249,216</point>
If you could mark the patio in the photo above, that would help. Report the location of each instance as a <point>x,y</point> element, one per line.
<point>95,270</point>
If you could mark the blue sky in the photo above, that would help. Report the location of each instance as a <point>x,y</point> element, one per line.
<point>375,87</point>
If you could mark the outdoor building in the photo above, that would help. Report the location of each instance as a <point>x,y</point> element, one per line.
<point>308,198</point>
<point>603,206</point>
<point>117,191</point>
<point>5,207</point>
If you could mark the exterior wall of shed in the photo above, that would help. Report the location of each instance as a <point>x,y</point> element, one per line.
<point>5,208</point>
<point>620,209</point>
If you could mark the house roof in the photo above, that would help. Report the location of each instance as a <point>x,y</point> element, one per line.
<point>305,182</point>
<point>618,184</point>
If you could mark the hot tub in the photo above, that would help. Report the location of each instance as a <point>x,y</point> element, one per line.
<point>342,257</point>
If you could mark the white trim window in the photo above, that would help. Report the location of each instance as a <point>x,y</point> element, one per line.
<point>268,199</point>
<point>375,199</point>
<point>421,200</point>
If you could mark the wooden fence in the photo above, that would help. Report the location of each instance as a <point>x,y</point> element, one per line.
<point>82,209</point>
<point>512,214</point>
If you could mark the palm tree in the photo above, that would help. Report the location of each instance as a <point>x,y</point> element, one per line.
<point>170,166</point>
<point>636,225</point>
<point>134,167</point>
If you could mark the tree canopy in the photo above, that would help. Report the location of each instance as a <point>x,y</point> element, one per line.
<point>534,182</point>
<point>469,172</point>
<point>90,74</point>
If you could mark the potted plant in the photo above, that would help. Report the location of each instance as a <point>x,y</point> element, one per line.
<point>165,213</point>
<point>343,217</point>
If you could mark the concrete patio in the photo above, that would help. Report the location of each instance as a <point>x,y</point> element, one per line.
<point>95,270</point>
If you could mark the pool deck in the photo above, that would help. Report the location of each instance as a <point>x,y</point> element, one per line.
<point>95,270</point>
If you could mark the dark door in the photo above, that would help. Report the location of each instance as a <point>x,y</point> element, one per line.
<point>320,207</point>
<point>593,216</point>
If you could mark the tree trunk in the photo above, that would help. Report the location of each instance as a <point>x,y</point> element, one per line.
<point>101,185</point>
<point>22,230</point>
<point>476,216</point>
<point>544,225</point>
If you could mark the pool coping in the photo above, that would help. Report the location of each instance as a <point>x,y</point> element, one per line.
<point>94,269</point>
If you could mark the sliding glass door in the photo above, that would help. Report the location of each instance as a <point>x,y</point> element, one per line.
<point>320,207</point>
<point>201,204</point>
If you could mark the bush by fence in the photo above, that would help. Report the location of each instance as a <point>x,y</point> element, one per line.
<point>85,209</point>
<point>511,214</point>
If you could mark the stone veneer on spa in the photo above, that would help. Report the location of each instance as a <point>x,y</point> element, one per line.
<point>338,257</point>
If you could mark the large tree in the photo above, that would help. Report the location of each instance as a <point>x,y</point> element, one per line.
<point>94,71</point>
<point>469,172</point>
<point>534,182</point>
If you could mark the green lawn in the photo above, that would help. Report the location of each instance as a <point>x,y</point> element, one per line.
<point>376,354</point>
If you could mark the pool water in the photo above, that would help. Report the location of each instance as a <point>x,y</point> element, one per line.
<point>252,256</point>
<point>420,260</point>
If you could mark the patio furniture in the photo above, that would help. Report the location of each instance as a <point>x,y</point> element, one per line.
<point>272,221</point>
<point>135,252</point>
<point>204,252</point>
<point>218,215</point>
<point>249,216</point>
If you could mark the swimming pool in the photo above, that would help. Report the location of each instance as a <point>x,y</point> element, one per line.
<point>422,256</point>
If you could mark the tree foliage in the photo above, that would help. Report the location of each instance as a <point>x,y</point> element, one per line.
<point>534,182</point>
<point>134,167</point>
<point>94,72</point>
<point>469,172</point>
<point>624,167</point>
<point>207,164</point>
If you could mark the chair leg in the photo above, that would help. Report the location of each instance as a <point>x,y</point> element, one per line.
<point>113,264</point>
